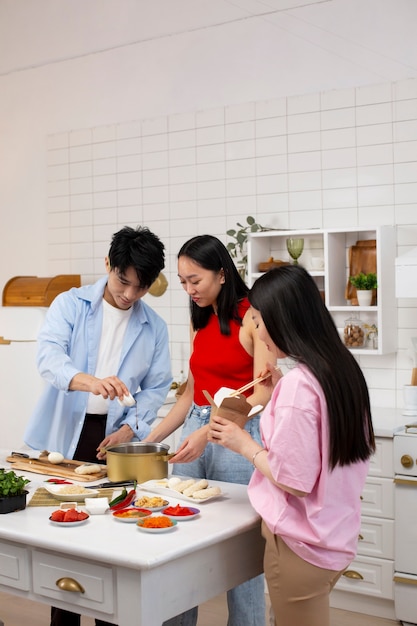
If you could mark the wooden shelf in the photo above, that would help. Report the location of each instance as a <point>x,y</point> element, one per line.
<point>334,246</point>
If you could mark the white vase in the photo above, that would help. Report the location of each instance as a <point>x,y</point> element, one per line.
<point>364,297</point>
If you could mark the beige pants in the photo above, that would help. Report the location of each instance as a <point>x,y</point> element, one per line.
<point>299,592</point>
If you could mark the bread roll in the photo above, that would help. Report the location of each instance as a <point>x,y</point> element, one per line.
<point>184,484</point>
<point>202,494</point>
<point>200,484</point>
<point>88,468</point>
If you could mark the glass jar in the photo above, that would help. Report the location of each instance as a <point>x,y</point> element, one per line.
<point>354,333</point>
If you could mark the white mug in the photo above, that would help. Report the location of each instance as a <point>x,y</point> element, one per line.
<point>317,262</point>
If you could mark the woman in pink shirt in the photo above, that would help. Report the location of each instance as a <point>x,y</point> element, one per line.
<point>317,440</point>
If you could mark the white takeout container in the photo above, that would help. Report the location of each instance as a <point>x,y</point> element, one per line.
<point>96,506</point>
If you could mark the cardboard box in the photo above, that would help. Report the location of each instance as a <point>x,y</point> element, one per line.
<point>233,407</point>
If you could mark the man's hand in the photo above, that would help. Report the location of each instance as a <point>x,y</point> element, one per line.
<point>123,435</point>
<point>109,387</point>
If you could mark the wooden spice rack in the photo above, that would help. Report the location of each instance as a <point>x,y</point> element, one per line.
<point>35,291</point>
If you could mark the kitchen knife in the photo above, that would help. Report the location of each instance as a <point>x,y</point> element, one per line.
<point>121,483</point>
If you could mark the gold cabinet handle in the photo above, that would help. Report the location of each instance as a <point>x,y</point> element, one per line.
<point>407,461</point>
<point>69,584</point>
<point>350,573</point>
<point>405,581</point>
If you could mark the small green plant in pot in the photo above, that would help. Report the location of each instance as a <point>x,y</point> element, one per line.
<point>365,285</point>
<point>364,281</point>
<point>12,491</point>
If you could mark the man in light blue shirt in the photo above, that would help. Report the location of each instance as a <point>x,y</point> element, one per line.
<point>100,343</point>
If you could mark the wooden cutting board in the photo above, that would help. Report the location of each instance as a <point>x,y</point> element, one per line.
<point>66,469</point>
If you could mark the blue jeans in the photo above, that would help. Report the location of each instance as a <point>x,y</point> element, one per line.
<point>246,603</point>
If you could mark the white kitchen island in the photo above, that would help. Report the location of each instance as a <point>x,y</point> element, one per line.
<point>129,577</point>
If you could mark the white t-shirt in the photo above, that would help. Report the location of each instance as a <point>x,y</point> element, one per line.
<point>115,322</point>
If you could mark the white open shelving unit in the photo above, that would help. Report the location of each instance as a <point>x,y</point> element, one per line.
<point>333,246</point>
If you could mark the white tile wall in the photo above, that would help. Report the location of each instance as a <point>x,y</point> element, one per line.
<point>333,159</point>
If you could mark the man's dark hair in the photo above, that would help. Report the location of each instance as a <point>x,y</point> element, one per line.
<point>138,248</point>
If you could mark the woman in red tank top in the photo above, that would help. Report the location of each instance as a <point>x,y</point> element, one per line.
<point>226,352</point>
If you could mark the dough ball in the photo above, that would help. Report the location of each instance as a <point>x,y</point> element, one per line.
<point>55,458</point>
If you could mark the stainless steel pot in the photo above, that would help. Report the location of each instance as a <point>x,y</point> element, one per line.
<point>137,461</point>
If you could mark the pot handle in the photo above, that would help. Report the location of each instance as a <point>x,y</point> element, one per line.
<point>165,457</point>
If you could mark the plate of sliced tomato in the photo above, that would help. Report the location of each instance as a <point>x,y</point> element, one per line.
<point>68,517</point>
<point>181,513</point>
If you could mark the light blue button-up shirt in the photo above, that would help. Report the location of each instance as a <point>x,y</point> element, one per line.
<point>68,344</point>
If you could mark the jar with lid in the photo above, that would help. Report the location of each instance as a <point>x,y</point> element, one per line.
<point>354,334</point>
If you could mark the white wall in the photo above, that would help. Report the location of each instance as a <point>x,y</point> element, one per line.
<point>346,156</point>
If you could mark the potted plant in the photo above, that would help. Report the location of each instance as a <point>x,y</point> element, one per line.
<point>364,284</point>
<point>237,248</point>
<point>12,491</point>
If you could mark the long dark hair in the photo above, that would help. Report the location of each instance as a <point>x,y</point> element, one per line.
<point>300,325</point>
<point>211,254</point>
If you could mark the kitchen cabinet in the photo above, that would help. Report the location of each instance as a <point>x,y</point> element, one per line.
<point>332,246</point>
<point>367,584</point>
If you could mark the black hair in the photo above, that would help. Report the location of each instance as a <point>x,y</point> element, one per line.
<point>211,254</point>
<point>138,248</point>
<point>300,325</point>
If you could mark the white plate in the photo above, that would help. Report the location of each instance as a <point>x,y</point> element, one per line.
<point>156,530</point>
<point>183,518</point>
<point>157,486</point>
<point>69,497</point>
<point>132,519</point>
<point>67,524</point>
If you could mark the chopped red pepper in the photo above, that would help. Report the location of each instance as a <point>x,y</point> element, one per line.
<point>178,510</point>
<point>125,502</point>
<point>58,481</point>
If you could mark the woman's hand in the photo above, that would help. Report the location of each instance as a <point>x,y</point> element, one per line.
<point>192,447</point>
<point>276,375</point>
<point>228,434</point>
<point>123,435</point>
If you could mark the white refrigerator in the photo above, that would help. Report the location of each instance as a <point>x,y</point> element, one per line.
<point>20,382</point>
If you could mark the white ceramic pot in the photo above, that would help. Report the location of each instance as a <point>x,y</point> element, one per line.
<point>364,297</point>
<point>410,400</point>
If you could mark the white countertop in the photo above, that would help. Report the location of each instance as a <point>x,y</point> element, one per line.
<point>219,519</point>
<point>388,421</point>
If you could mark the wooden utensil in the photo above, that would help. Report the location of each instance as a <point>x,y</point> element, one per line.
<point>414,377</point>
<point>66,469</point>
<point>249,385</point>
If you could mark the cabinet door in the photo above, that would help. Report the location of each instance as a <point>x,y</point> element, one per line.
<point>372,577</point>
<point>376,537</point>
<point>382,462</point>
<point>14,566</point>
<point>96,582</point>
<point>377,497</point>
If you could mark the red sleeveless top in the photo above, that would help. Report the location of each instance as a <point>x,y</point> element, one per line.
<point>220,360</point>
